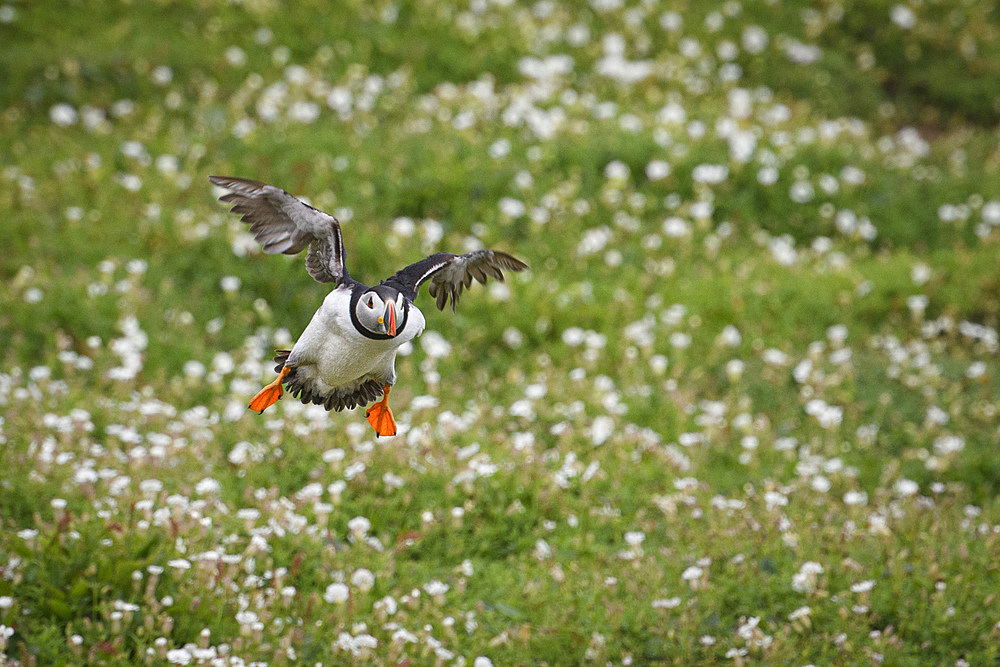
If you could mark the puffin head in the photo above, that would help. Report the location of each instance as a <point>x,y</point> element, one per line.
<point>380,309</point>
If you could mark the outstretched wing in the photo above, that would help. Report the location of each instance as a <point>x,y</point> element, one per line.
<point>447,275</point>
<point>283,224</point>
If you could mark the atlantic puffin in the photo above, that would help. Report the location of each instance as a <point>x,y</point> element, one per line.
<point>346,355</point>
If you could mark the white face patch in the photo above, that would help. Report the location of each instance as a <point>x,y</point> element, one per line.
<point>368,310</point>
<point>371,314</point>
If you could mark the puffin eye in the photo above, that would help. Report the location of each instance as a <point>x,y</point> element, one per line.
<point>371,303</point>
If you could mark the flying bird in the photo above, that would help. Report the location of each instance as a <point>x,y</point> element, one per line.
<point>346,355</point>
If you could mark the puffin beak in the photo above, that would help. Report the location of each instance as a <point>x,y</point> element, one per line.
<point>389,318</point>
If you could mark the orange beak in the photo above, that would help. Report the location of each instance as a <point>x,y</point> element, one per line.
<point>390,319</point>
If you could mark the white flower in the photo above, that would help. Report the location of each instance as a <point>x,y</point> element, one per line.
<point>680,340</point>
<point>336,593</point>
<point>801,612</point>
<point>436,588</point>
<point>92,117</point>
<point>404,227</point>
<point>773,499</point>
<point>671,21</point>
<point>802,54</point>
<point>616,170</point>
<point>767,176</point>
<point>735,368</point>
<point>696,129</point>
<point>991,212</point>
<point>163,75</point>
<point>63,115</point>
<point>635,538</point>
<point>230,283</point>
<point>740,102</point>
<point>657,170</point>
<point>903,16</point>
<point>976,370</point>
<point>122,108</point>
<point>863,586</point>
<point>774,357</point>
<point>852,175</point>
<point>545,68</point>
<point>622,70</point>
<point>593,240</point>
<point>804,581</point>
<point>710,173</point>
<point>948,444</point>
<point>754,39</point>
<point>387,604</point>
<point>236,56</point>
<point>730,336</point>
<point>512,337</point>
<point>666,603</point>
<point>601,429</point>
<point>676,227</point>
<point>167,164</point>
<point>937,416</point>
<point>820,484</point>
<point>801,192</point>
<point>522,408</point>
<point>179,656</point>
<point>359,526</point>
<point>207,486</point>
<point>741,146</point>
<point>949,213</point>
<point>435,345</point>
<point>783,251</point>
<point>920,273</point>
<point>672,114</point>
<point>130,182</point>
<point>363,579</point>
<point>194,369</point>
<point>856,498</point>
<point>513,208</point>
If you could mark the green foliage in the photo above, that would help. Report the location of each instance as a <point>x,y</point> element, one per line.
<point>742,407</point>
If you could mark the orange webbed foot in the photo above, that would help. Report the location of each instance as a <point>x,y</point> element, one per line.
<point>380,416</point>
<point>270,394</point>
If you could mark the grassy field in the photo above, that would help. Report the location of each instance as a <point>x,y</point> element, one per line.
<point>743,409</point>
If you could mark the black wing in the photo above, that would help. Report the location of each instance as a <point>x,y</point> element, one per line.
<point>283,224</point>
<point>447,275</point>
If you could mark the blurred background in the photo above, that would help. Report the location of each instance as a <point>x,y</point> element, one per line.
<point>752,370</point>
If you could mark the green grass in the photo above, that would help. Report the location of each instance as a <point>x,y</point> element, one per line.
<point>609,473</point>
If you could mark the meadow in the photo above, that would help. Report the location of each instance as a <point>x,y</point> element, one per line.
<point>743,409</point>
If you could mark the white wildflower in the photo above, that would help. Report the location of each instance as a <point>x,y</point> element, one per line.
<point>903,16</point>
<point>63,115</point>
<point>336,593</point>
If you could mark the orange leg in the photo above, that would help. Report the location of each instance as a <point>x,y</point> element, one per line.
<point>270,394</point>
<point>380,416</point>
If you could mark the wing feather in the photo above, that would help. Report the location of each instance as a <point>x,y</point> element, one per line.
<point>448,275</point>
<point>283,224</point>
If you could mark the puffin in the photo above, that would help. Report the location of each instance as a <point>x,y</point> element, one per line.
<point>346,355</point>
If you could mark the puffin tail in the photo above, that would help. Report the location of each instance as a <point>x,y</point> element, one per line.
<point>280,357</point>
